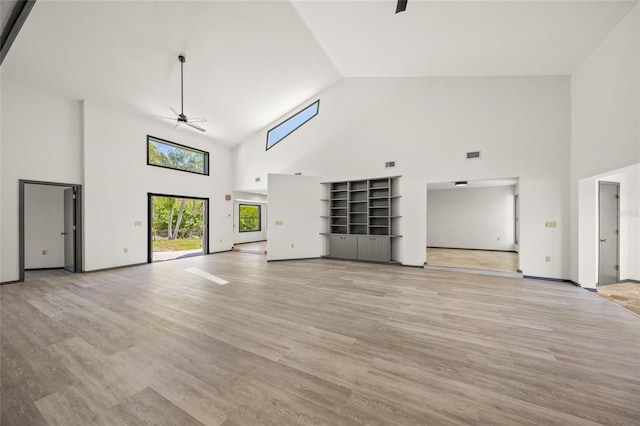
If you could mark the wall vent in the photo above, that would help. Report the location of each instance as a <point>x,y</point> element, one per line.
<point>390,164</point>
<point>298,173</point>
<point>473,154</point>
<point>257,179</point>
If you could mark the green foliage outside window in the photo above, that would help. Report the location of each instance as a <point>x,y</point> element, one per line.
<point>173,156</point>
<point>249,218</point>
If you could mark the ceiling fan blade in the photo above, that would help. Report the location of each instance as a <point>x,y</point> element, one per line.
<point>197,120</point>
<point>402,6</point>
<point>163,117</point>
<point>194,126</point>
<point>174,111</point>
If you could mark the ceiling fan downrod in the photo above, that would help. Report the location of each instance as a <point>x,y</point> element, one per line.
<point>182,60</point>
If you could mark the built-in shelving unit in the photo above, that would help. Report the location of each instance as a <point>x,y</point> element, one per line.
<point>363,218</point>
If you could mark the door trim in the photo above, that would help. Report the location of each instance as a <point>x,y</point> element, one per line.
<point>78,248</point>
<point>617,185</point>
<point>150,195</point>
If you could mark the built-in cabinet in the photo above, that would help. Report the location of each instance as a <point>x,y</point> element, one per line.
<point>362,218</point>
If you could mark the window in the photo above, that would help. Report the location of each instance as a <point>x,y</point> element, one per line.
<point>171,155</point>
<point>288,126</point>
<point>249,218</point>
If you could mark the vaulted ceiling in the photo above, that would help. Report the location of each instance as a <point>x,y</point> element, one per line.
<point>250,62</point>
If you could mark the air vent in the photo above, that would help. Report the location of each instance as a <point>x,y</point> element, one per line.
<point>390,164</point>
<point>257,179</point>
<point>298,173</point>
<point>473,154</point>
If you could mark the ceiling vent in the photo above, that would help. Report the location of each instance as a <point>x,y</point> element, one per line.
<point>473,155</point>
<point>390,164</point>
<point>257,179</point>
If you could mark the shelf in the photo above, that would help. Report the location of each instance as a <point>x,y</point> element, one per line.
<point>360,219</point>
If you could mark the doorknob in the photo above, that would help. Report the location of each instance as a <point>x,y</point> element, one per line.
<point>603,240</point>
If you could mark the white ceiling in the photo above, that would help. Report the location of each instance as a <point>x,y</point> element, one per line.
<point>251,62</point>
<point>247,63</point>
<point>453,38</point>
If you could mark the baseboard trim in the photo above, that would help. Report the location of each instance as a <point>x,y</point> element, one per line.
<point>115,267</point>
<point>559,280</point>
<point>297,258</point>
<point>460,248</point>
<point>592,290</point>
<point>44,269</point>
<point>630,281</point>
<point>11,282</point>
<point>473,271</point>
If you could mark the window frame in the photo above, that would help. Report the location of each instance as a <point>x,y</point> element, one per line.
<point>259,217</point>
<point>267,147</point>
<point>180,146</point>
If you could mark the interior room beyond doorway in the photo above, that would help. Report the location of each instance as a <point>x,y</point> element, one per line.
<point>473,225</point>
<point>486,260</point>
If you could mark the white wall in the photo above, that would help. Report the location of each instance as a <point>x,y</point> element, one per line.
<point>294,217</point>
<point>240,197</point>
<point>118,179</point>
<point>471,218</point>
<point>605,120</point>
<point>41,140</point>
<point>426,125</point>
<point>43,225</point>
<point>629,179</point>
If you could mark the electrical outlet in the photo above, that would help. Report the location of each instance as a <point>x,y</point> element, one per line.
<point>44,252</point>
<point>126,250</point>
<point>547,259</point>
<point>137,223</point>
<point>279,222</point>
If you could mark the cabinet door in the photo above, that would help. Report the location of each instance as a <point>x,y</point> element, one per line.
<point>373,248</point>
<point>343,246</point>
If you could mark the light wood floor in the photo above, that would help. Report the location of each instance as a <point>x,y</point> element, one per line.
<point>626,295</point>
<point>486,260</point>
<point>312,342</point>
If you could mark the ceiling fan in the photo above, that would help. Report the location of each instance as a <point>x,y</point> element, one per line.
<point>180,118</point>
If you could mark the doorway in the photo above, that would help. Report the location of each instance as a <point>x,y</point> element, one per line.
<point>474,225</point>
<point>178,227</point>
<point>609,232</point>
<point>50,226</point>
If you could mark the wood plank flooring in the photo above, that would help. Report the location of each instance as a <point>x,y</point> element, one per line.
<point>626,295</point>
<point>311,342</point>
<point>486,260</point>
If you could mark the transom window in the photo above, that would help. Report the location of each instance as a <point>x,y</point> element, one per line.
<point>172,155</point>
<point>291,124</point>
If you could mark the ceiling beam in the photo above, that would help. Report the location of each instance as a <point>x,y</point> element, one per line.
<point>12,21</point>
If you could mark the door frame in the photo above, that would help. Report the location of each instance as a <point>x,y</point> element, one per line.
<point>150,195</point>
<point>617,185</point>
<point>78,217</point>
